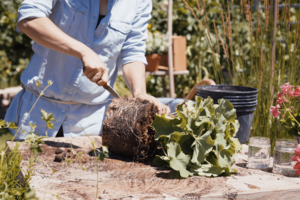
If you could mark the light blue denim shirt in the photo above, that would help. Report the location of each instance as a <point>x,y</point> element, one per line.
<point>119,39</point>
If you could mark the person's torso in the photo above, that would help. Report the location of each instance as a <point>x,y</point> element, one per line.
<point>78,19</point>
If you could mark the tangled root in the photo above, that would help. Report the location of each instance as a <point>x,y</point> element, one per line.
<point>127,131</point>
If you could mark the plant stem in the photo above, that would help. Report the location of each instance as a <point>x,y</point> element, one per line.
<point>27,115</point>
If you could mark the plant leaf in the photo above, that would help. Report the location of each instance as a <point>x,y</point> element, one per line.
<point>12,125</point>
<point>178,160</point>
<point>32,126</point>
<point>104,153</point>
<point>35,149</point>
<point>163,161</point>
<point>47,117</point>
<point>203,144</point>
<point>226,109</point>
<point>165,125</point>
<point>2,123</point>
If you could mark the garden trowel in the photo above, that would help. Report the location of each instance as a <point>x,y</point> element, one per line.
<point>111,91</point>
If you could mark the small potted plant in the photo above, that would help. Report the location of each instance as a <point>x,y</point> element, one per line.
<point>290,120</point>
<point>157,44</point>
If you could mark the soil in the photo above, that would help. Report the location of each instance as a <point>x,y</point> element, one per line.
<point>127,131</point>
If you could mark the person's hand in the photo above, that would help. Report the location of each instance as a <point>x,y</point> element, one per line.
<point>162,108</point>
<point>94,68</point>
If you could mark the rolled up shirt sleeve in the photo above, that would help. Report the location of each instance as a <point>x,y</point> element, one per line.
<point>134,47</point>
<point>35,9</point>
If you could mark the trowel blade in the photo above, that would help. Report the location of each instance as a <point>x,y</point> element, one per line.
<point>111,91</point>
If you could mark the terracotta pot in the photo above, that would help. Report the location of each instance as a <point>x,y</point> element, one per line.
<point>153,62</point>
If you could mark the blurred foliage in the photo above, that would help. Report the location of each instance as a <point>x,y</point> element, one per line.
<point>156,43</point>
<point>15,48</point>
<point>245,56</point>
<point>200,59</point>
<point>197,47</point>
<point>121,87</point>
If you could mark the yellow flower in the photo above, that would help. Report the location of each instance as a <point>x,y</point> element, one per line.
<point>149,26</point>
<point>38,83</point>
<point>50,82</point>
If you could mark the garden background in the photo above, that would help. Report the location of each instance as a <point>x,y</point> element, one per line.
<point>231,43</point>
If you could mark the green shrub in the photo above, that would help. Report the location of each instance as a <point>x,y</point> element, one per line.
<point>15,48</point>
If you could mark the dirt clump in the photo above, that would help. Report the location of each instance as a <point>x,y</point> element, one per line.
<point>71,156</point>
<point>58,158</point>
<point>127,131</point>
<point>58,151</point>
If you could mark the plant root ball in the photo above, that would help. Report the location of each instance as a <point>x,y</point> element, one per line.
<point>127,131</point>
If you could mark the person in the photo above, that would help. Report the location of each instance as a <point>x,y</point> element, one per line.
<point>79,45</point>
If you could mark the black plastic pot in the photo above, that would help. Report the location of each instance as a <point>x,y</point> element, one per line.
<point>233,101</point>
<point>227,90</point>
<point>244,100</point>
<point>237,98</point>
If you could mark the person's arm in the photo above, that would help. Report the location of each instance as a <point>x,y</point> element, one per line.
<point>43,31</point>
<point>134,74</point>
<point>133,57</point>
<point>33,20</point>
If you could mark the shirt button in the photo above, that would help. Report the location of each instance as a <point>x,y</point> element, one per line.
<point>63,111</point>
<point>73,3</point>
<point>88,44</point>
<point>70,92</point>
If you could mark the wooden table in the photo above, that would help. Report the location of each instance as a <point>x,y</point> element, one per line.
<point>119,178</point>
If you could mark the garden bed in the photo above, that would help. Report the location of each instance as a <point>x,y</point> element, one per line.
<point>120,178</point>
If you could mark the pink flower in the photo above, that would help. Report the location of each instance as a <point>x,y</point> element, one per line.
<point>286,88</point>
<point>296,158</point>
<point>297,150</point>
<point>296,92</point>
<point>279,94</point>
<point>275,110</point>
<point>297,166</point>
<point>279,101</point>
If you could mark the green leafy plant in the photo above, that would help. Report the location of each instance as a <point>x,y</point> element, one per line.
<point>10,187</point>
<point>10,160</point>
<point>200,139</point>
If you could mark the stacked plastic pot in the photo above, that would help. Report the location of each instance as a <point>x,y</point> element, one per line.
<point>244,100</point>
